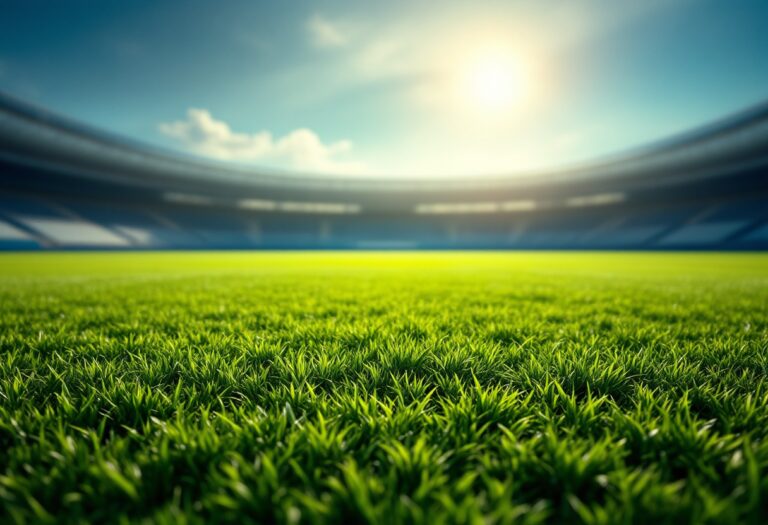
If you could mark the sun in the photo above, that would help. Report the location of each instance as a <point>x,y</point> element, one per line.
<point>491,83</point>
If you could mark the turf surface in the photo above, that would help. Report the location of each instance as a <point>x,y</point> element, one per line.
<point>386,388</point>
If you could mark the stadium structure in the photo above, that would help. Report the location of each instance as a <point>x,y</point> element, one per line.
<point>67,186</point>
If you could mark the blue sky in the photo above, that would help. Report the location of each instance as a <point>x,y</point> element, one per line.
<point>389,88</point>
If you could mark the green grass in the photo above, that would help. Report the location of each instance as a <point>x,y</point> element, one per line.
<point>386,388</point>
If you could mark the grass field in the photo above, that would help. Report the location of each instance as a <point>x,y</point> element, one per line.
<point>385,388</point>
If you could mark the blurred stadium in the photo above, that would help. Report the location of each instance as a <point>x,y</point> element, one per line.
<point>67,186</point>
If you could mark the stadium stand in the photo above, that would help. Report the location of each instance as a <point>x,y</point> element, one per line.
<point>67,186</point>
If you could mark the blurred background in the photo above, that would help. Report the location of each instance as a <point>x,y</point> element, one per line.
<point>337,125</point>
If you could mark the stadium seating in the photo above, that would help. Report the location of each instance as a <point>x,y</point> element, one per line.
<point>66,186</point>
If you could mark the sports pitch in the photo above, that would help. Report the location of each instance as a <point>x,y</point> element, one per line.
<point>384,387</point>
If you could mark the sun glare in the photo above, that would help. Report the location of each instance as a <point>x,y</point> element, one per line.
<point>492,83</point>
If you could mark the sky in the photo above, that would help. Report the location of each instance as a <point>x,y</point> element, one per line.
<point>389,89</point>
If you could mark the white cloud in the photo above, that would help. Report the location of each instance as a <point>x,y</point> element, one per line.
<point>325,33</point>
<point>300,149</point>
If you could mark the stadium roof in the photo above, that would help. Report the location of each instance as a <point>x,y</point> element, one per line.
<point>37,137</point>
